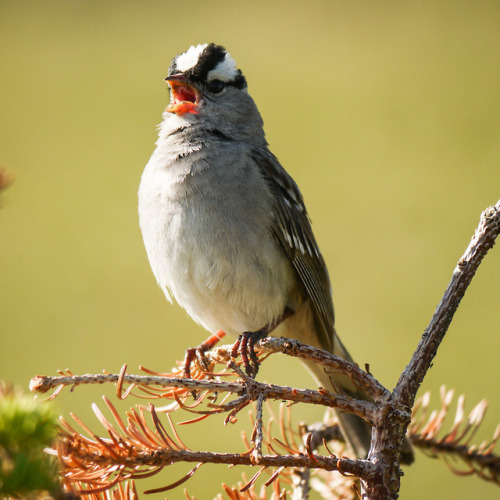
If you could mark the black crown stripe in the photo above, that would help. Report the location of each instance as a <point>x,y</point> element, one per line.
<point>208,60</point>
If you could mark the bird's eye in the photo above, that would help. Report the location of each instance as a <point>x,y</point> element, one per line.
<point>216,86</point>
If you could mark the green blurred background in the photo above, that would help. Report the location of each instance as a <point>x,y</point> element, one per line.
<point>387,114</point>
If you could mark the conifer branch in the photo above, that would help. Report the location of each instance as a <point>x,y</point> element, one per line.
<point>140,445</point>
<point>454,446</point>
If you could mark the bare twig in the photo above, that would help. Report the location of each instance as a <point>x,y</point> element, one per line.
<point>362,379</point>
<point>388,433</point>
<point>482,241</point>
<point>258,433</point>
<point>250,390</point>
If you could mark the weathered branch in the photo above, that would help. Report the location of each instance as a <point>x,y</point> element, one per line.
<point>362,379</point>
<point>249,390</point>
<point>388,434</point>
<point>163,458</point>
<point>482,241</point>
<point>143,446</point>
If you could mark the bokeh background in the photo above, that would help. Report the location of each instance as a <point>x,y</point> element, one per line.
<point>387,114</point>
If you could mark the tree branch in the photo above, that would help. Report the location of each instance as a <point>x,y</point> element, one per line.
<point>482,241</point>
<point>364,380</point>
<point>388,434</point>
<point>249,390</point>
<point>135,450</point>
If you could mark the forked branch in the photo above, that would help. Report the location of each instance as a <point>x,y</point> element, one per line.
<point>482,241</point>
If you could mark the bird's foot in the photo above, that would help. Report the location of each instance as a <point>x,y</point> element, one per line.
<point>245,347</point>
<point>198,353</point>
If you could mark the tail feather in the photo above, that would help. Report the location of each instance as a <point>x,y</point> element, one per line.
<point>355,430</point>
<point>304,326</point>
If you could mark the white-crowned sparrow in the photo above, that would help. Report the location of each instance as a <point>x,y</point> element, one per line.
<point>225,227</point>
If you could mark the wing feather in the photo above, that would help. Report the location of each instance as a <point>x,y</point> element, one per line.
<point>293,232</point>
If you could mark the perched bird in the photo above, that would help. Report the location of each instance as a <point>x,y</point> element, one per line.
<point>225,226</point>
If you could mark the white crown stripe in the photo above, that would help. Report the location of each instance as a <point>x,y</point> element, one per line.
<point>225,71</point>
<point>190,58</point>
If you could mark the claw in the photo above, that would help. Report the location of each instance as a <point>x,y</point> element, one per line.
<point>199,353</point>
<point>189,357</point>
<point>245,347</point>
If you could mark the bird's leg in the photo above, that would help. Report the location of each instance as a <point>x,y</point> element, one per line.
<point>245,345</point>
<point>199,353</point>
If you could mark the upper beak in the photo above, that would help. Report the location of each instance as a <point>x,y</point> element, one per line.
<point>184,97</point>
<point>179,77</point>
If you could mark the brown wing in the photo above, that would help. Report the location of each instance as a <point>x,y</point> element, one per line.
<point>292,230</point>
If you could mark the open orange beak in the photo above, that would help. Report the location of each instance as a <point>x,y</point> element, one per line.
<point>184,97</point>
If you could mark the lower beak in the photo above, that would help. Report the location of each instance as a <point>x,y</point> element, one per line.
<point>184,98</point>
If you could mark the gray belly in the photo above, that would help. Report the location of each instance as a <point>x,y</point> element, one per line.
<point>219,261</point>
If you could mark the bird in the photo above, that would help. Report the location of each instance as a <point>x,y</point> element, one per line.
<point>226,229</point>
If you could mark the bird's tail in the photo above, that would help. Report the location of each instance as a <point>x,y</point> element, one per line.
<point>305,326</point>
<point>356,431</point>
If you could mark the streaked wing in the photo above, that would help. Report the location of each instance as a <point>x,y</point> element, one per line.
<point>292,230</point>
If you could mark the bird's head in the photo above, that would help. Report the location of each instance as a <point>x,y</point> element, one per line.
<point>205,83</point>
